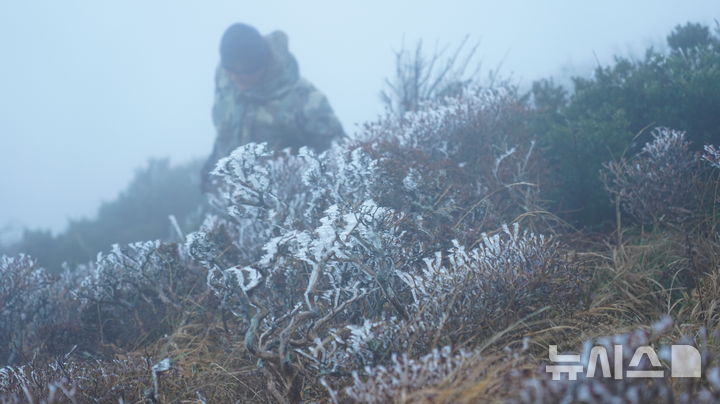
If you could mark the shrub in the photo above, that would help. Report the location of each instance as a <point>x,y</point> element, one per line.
<point>665,182</point>
<point>420,78</point>
<point>607,114</point>
<point>36,316</point>
<point>539,387</point>
<point>137,291</point>
<point>403,376</point>
<point>712,155</point>
<point>63,381</point>
<point>322,246</point>
<point>468,295</point>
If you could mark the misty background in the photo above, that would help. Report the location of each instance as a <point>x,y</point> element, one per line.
<point>89,91</point>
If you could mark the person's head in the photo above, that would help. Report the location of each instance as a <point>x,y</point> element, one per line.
<point>244,54</point>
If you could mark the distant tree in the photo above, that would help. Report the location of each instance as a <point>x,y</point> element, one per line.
<point>140,212</point>
<point>691,36</point>
<point>610,114</point>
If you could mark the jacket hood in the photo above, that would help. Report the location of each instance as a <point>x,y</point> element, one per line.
<point>283,72</point>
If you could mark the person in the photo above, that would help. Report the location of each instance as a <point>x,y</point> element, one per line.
<point>261,97</point>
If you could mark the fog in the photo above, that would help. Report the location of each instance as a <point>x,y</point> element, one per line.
<point>90,90</point>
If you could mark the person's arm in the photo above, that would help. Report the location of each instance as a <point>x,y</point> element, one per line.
<point>320,125</point>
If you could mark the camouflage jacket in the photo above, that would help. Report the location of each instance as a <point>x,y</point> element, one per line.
<point>284,110</point>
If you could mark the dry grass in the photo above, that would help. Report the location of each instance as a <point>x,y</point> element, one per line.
<point>634,283</point>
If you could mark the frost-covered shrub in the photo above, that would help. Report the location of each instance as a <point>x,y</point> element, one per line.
<point>712,155</point>
<point>314,285</point>
<point>134,291</point>
<point>459,166</point>
<point>263,193</point>
<point>539,386</point>
<point>36,311</point>
<point>466,294</point>
<point>322,245</point>
<point>261,187</point>
<point>218,243</point>
<point>398,380</point>
<point>664,183</point>
<point>24,296</point>
<point>66,381</point>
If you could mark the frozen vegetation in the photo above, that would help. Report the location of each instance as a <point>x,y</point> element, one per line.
<point>415,261</point>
